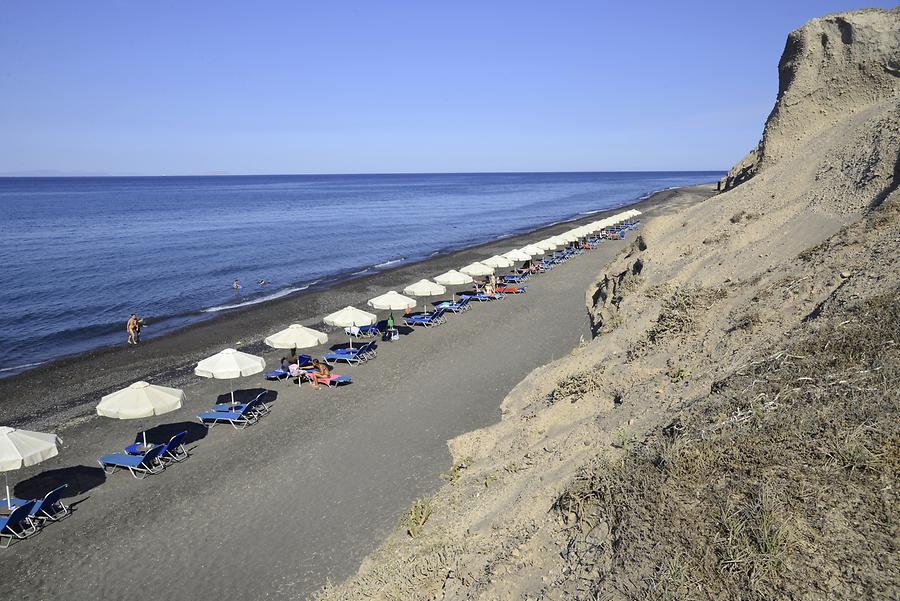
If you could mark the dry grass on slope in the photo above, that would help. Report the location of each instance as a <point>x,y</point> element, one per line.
<point>781,483</point>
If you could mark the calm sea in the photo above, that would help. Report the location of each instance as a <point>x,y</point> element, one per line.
<point>78,255</point>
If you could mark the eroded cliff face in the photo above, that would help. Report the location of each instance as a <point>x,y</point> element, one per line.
<point>831,69</point>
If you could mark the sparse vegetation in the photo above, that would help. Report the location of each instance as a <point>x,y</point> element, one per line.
<point>625,440</point>
<point>417,515</point>
<point>453,475</point>
<point>742,216</point>
<point>720,237</point>
<point>800,449</point>
<point>677,374</point>
<point>679,311</point>
<point>753,537</point>
<point>747,322</point>
<point>574,387</point>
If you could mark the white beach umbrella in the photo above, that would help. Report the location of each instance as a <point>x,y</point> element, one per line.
<point>476,269</point>
<point>453,278</point>
<point>498,262</point>
<point>296,336</point>
<point>21,448</point>
<point>228,365</point>
<point>392,301</point>
<point>349,317</point>
<point>140,400</point>
<point>424,288</point>
<point>546,244</point>
<point>569,236</point>
<point>517,255</point>
<point>533,249</point>
<point>559,240</point>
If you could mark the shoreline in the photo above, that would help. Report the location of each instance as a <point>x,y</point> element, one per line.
<point>170,324</point>
<point>167,358</point>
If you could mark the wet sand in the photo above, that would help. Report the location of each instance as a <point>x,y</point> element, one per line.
<point>303,496</point>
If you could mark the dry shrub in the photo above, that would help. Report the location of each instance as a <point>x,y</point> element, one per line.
<point>680,311</point>
<point>747,322</point>
<point>576,386</point>
<point>740,216</point>
<point>417,515</point>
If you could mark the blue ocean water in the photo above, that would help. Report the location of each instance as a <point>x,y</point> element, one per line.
<point>78,255</point>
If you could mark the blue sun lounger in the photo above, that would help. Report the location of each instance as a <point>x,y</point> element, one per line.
<point>427,320</point>
<point>257,405</point>
<point>174,451</point>
<point>481,297</point>
<point>457,307</point>
<point>351,355</point>
<point>140,466</point>
<point>515,279</point>
<point>49,508</point>
<point>17,524</point>
<point>278,374</point>
<point>239,416</point>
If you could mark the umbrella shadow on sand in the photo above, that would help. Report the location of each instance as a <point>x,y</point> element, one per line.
<point>162,433</point>
<point>79,478</point>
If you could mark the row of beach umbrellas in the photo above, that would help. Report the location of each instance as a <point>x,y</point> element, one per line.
<point>142,400</point>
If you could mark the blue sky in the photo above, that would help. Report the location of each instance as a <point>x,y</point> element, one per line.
<point>123,87</point>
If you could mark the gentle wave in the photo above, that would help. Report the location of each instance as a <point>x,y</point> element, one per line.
<point>20,367</point>
<point>391,262</point>
<point>256,301</point>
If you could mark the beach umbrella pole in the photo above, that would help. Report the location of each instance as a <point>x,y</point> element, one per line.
<point>8,498</point>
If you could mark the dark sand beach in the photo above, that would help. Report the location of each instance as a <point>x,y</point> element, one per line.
<point>306,494</point>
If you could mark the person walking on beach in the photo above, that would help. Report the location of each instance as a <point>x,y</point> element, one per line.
<point>132,328</point>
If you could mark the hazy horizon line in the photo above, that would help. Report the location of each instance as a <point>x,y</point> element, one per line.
<point>53,173</point>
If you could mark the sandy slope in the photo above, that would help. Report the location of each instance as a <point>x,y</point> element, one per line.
<point>540,505</point>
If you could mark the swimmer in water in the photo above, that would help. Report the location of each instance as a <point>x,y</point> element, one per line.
<point>262,282</point>
<point>235,285</point>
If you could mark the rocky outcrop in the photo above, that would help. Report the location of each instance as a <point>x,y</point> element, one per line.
<point>831,69</point>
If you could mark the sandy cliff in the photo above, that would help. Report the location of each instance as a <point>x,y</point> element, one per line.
<point>732,429</point>
<point>831,69</point>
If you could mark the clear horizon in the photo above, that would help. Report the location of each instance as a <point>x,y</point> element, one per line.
<point>211,89</point>
<point>49,173</point>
